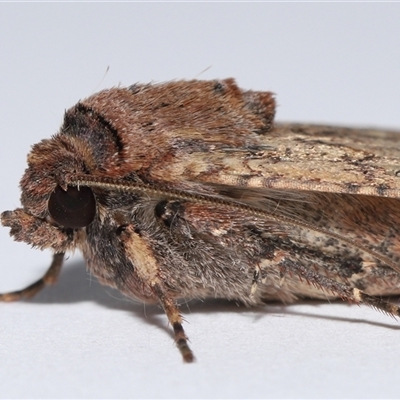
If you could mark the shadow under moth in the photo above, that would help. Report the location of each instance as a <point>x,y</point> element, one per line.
<point>188,189</point>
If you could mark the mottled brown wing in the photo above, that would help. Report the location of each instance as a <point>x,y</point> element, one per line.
<point>308,157</point>
<point>319,176</point>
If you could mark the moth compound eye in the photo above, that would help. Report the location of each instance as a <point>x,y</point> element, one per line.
<point>72,208</point>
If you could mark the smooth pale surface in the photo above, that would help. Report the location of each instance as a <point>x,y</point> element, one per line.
<point>328,63</point>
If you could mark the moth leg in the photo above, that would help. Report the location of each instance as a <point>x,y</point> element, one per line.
<point>175,319</point>
<point>346,292</point>
<point>256,279</point>
<point>49,278</point>
<point>259,275</point>
<point>376,302</point>
<point>139,250</point>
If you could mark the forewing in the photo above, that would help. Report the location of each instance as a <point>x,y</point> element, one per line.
<point>306,157</point>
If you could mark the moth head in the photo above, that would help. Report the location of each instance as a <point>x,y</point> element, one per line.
<point>45,193</point>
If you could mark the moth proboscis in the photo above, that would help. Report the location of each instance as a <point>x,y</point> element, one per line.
<point>189,189</point>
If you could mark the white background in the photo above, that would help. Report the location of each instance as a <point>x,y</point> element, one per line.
<point>330,63</point>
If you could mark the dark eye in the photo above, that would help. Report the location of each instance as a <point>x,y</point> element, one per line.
<point>72,208</point>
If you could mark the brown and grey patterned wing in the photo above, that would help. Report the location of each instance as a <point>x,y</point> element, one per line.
<point>313,158</point>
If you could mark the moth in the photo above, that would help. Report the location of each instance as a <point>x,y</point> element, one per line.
<point>188,189</point>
